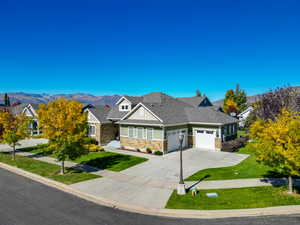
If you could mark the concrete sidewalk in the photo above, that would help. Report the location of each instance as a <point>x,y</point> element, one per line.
<point>131,187</point>
<point>141,191</point>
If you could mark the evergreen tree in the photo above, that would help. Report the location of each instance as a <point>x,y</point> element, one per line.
<point>198,93</point>
<point>6,100</point>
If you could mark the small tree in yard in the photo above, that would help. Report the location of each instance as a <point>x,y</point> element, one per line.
<point>64,124</point>
<point>277,143</point>
<point>14,129</point>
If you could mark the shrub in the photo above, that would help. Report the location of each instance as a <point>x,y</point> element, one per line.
<point>158,153</point>
<point>89,140</point>
<point>149,150</point>
<point>232,146</point>
<point>94,148</point>
<point>138,150</point>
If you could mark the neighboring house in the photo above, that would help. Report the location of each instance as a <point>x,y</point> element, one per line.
<point>100,128</point>
<point>28,109</point>
<point>244,115</point>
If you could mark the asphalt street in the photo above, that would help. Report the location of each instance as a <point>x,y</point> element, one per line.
<point>26,202</point>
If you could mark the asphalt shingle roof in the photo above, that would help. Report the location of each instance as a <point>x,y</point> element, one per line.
<point>100,112</point>
<point>115,114</point>
<point>194,101</point>
<point>174,111</point>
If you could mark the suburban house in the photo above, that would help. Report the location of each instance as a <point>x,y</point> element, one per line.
<point>244,115</point>
<point>28,109</point>
<point>155,121</point>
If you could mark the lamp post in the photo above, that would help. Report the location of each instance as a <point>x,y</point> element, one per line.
<point>181,187</point>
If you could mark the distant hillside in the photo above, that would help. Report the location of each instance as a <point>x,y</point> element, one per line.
<point>250,99</point>
<point>44,98</point>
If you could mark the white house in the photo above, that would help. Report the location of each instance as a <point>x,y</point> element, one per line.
<point>244,115</point>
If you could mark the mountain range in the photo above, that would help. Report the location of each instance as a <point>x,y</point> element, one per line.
<point>45,98</point>
<point>87,98</point>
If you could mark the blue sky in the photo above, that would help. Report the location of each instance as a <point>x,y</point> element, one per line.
<point>135,47</point>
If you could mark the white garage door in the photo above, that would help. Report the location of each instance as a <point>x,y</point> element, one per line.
<point>173,139</point>
<point>205,139</point>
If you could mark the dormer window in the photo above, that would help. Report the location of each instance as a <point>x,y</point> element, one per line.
<point>124,107</point>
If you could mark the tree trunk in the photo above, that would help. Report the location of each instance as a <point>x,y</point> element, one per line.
<point>290,185</point>
<point>62,168</point>
<point>14,153</point>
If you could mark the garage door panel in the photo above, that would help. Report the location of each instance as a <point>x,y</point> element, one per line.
<point>205,139</point>
<point>173,139</point>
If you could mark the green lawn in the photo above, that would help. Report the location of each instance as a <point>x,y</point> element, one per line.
<point>46,169</point>
<point>103,160</point>
<point>248,168</point>
<point>240,198</point>
<point>110,161</point>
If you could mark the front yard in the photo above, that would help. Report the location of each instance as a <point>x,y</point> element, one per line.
<point>239,198</point>
<point>103,160</point>
<point>249,168</point>
<point>46,169</point>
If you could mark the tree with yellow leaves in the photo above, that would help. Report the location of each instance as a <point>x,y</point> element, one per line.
<point>14,128</point>
<point>65,125</point>
<point>230,106</point>
<point>277,143</point>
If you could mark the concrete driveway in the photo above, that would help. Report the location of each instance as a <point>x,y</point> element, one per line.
<point>151,183</point>
<point>24,143</point>
<point>167,167</point>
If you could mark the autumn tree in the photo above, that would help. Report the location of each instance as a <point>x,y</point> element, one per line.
<point>230,105</point>
<point>65,125</point>
<point>277,143</point>
<point>14,128</point>
<point>235,101</point>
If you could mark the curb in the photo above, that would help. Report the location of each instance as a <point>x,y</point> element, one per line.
<point>191,214</point>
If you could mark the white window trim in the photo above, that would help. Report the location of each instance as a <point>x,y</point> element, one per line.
<point>152,130</point>
<point>92,135</point>
<point>137,133</point>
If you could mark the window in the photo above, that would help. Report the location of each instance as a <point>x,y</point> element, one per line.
<point>209,132</point>
<point>149,133</point>
<point>92,130</point>
<point>140,132</point>
<point>131,135</point>
<point>124,107</point>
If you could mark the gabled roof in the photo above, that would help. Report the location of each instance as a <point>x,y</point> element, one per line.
<point>18,109</point>
<point>133,99</point>
<point>100,112</point>
<point>196,101</point>
<point>174,111</point>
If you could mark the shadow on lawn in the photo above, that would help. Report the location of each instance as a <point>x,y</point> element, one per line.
<point>106,161</point>
<point>196,183</point>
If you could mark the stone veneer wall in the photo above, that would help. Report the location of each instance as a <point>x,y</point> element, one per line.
<point>218,143</point>
<point>142,144</point>
<point>191,141</point>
